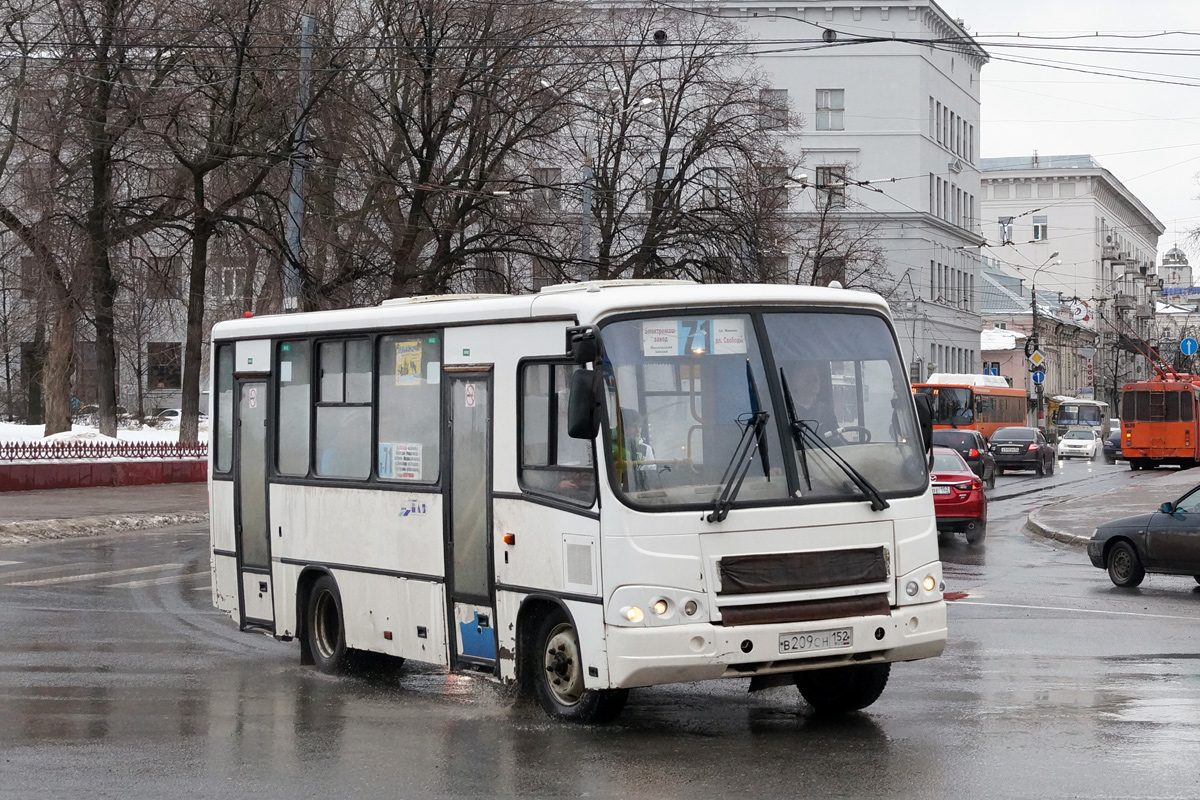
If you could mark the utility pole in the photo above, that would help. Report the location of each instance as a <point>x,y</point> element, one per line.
<point>291,266</point>
<point>1034,333</point>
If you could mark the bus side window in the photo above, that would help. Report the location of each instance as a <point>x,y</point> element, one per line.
<point>223,440</point>
<point>344,409</point>
<point>295,406</point>
<point>550,461</point>
<point>410,407</point>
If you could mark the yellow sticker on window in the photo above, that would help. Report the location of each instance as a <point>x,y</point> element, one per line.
<point>408,363</point>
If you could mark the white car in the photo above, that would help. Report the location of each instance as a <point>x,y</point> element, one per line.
<point>1079,444</point>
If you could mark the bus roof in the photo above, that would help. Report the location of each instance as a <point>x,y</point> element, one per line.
<point>967,379</point>
<point>585,302</point>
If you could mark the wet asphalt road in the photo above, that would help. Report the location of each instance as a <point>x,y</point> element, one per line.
<point>117,679</point>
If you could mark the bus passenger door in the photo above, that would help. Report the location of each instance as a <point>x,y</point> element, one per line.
<point>252,536</point>
<point>469,519</point>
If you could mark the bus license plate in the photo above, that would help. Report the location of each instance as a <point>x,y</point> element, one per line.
<point>834,639</point>
<point>941,490</point>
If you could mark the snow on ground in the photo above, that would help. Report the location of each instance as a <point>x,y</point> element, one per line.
<point>10,432</point>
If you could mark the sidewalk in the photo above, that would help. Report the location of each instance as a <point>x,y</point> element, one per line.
<point>63,513</point>
<point>1073,521</point>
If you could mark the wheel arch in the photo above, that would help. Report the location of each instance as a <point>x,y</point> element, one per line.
<point>304,584</point>
<point>533,608</point>
<point>1111,542</point>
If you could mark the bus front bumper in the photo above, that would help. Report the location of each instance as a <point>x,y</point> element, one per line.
<point>681,653</point>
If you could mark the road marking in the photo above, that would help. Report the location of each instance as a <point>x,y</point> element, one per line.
<point>1079,610</point>
<point>8,563</point>
<point>154,581</point>
<point>92,575</point>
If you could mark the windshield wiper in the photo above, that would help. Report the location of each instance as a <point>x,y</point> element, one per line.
<point>739,465</point>
<point>794,427</point>
<point>802,430</point>
<point>865,486</point>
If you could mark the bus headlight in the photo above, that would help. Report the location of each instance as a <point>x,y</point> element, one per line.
<point>922,585</point>
<point>655,606</point>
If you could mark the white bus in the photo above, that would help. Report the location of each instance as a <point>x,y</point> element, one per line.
<point>597,487</point>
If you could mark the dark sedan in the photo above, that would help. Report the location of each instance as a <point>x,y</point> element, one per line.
<point>1112,446</point>
<point>1166,541</point>
<point>1022,448</point>
<point>971,446</point>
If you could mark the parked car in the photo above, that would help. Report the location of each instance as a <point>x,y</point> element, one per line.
<point>973,448</point>
<point>170,417</point>
<point>1166,541</point>
<point>1079,443</point>
<point>958,499</point>
<point>1022,448</point>
<point>1112,446</point>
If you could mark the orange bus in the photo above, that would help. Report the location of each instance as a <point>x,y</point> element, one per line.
<point>1160,423</point>
<point>979,402</point>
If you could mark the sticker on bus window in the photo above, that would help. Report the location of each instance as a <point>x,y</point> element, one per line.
<point>679,337</point>
<point>660,338</point>
<point>285,371</point>
<point>729,335</point>
<point>433,373</point>
<point>400,460</point>
<point>408,363</point>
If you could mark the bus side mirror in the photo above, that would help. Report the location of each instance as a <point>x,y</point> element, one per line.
<point>925,418</point>
<point>583,343</point>
<point>583,408</point>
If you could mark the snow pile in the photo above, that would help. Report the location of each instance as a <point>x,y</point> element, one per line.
<point>999,339</point>
<point>11,432</point>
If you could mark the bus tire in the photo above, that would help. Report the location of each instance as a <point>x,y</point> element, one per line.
<point>326,626</point>
<point>1124,567</point>
<point>556,669</point>
<point>841,689</point>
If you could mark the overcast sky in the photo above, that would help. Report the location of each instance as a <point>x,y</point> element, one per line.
<point>1147,134</point>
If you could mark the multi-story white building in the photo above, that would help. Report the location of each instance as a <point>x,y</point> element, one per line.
<point>1068,225</point>
<point>903,117</point>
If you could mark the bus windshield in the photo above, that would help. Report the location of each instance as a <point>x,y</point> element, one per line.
<point>1073,414</point>
<point>952,405</point>
<point>681,392</point>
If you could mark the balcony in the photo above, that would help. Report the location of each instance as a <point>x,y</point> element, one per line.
<point>1122,301</point>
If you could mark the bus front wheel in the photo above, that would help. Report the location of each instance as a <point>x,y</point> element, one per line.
<point>556,670</point>
<point>842,689</point>
<point>326,626</point>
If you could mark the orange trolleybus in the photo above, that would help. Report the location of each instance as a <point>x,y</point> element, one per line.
<point>979,402</point>
<point>1159,421</point>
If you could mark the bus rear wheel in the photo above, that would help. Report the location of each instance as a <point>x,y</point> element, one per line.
<point>326,626</point>
<point>842,689</point>
<point>556,670</point>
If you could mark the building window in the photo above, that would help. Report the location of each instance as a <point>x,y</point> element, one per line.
<point>773,107</point>
<point>233,281</point>
<point>663,187</point>
<point>991,368</point>
<point>1006,230</point>
<point>831,187</point>
<point>773,193</point>
<point>1041,229</point>
<point>546,183</point>
<point>831,109</point>
<point>716,190</point>
<point>163,365</point>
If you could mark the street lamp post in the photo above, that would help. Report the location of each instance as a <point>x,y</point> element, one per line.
<point>1034,332</point>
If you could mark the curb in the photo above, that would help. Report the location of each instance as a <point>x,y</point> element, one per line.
<point>50,529</point>
<point>1038,529</point>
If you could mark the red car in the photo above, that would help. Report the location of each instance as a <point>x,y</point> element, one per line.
<point>958,498</point>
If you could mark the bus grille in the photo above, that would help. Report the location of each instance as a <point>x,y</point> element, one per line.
<point>870,605</point>
<point>790,572</point>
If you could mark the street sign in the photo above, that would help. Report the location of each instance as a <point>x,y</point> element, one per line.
<point>1037,358</point>
<point>1188,346</point>
<point>1039,376</point>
